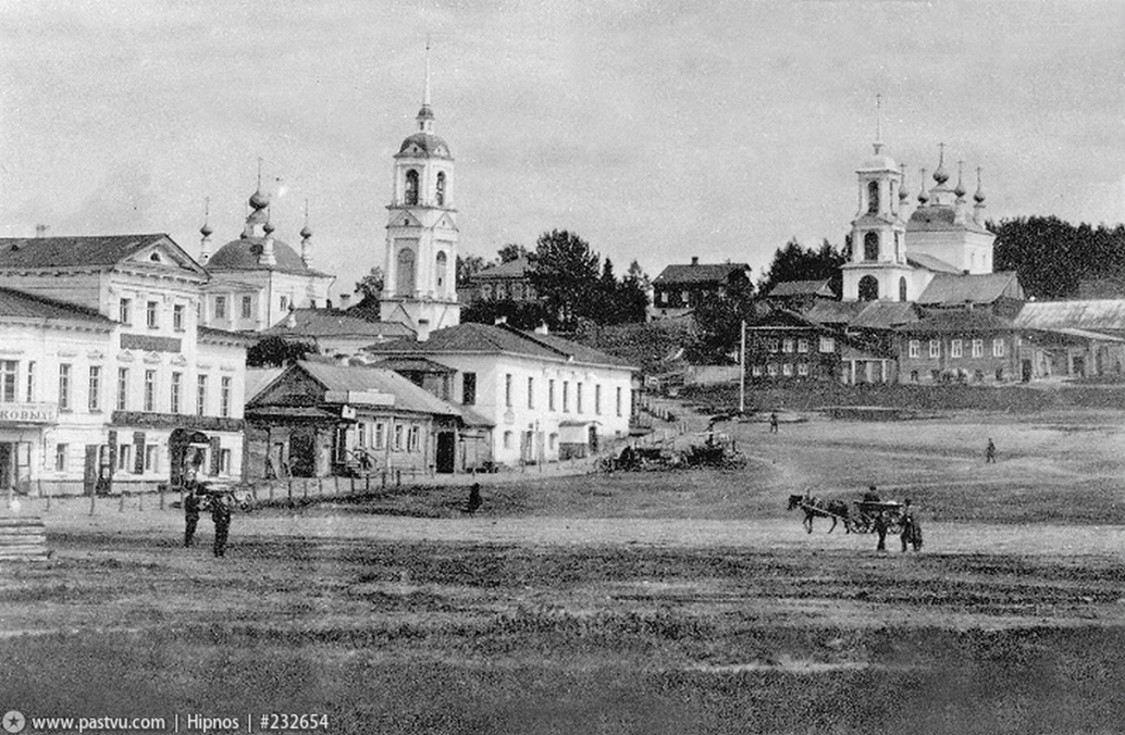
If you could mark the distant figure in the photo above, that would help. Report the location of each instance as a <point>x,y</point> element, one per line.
<point>990,452</point>
<point>474,499</point>
<point>773,422</point>
<point>911,529</point>
<point>881,529</point>
<point>220,516</point>
<point>191,516</point>
<point>871,496</point>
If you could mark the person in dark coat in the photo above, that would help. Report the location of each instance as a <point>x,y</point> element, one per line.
<point>474,499</point>
<point>220,516</point>
<point>773,422</point>
<point>881,529</point>
<point>990,452</point>
<point>911,531</point>
<point>191,516</point>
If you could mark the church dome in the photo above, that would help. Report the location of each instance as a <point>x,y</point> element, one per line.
<point>258,200</point>
<point>879,162</point>
<point>424,145</point>
<point>244,253</point>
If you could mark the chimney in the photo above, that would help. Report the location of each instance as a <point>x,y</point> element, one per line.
<point>542,328</point>
<point>41,230</point>
<point>695,260</point>
<point>345,301</point>
<point>423,330</point>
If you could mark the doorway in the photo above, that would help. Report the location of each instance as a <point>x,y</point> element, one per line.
<point>446,452</point>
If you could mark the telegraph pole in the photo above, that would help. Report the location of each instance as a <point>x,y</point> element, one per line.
<point>742,373</point>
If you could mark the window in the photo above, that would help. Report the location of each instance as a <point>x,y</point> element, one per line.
<point>398,437</point>
<point>803,369</point>
<point>531,392</point>
<point>220,307</point>
<point>508,390</point>
<point>361,434</point>
<point>871,246</point>
<point>774,345</point>
<point>380,435</point>
<point>802,345</point>
<point>787,345</point>
<point>151,454</point>
<point>551,394</point>
<point>122,389</point>
<point>94,398</point>
<point>901,285</point>
<point>578,398</point>
<point>997,348</point>
<point>507,440</point>
<point>771,370</point>
<point>756,371</point>
<point>178,317</point>
<point>868,288</point>
<point>125,311</point>
<point>283,302</point>
<point>413,439</point>
<point>872,197</point>
<point>224,396</point>
<point>31,381</point>
<point>150,390</point>
<point>411,193</point>
<point>955,348</point>
<point>201,395</point>
<point>935,349</point>
<point>913,376</point>
<point>8,378</point>
<point>787,370</point>
<point>598,400</point>
<point>247,307</point>
<point>177,391</point>
<point>566,396</point>
<point>618,399</point>
<point>915,348</point>
<point>439,193</point>
<point>152,315</point>
<point>125,457</point>
<point>60,456</point>
<point>64,387</point>
<point>440,265</point>
<point>827,344</point>
<point>224,461</point>
<point>469,389</point>
<point>978,348</point>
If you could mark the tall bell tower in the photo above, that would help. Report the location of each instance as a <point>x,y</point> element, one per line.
<point>420,287</point>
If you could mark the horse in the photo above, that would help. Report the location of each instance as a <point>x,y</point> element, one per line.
<point>837,510</point>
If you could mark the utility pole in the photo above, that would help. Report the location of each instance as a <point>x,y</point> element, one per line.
<point>742,373</point>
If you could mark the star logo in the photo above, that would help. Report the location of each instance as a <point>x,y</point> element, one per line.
<point>13,721</point>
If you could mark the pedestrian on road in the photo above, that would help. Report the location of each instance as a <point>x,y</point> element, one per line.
<point>191,516</point>
<point>773,422</point>
<point>990,452</point>
<point>474,499</point>
<point>911,532</point>
<point>881,529</point>
<point>220,516</point>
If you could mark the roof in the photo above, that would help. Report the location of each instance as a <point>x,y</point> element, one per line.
<point>424,145</point>
<point>943,217</point>
<point>930,263</point>
<point>885,315</point>
<point>519,268</point>
<point>976,288</point>
<point>258,378</point>
<point>1096,314</point>
<point>319,323</point>
<point>98,251</point>
<point>801,288</point>
<point>210,334</point>
<point>20,305</point>
<point>412,364</point>
<point>491,339</point>
<point>243,255</point>
<point>408,397</point>
<point>960,320</point>
<point>700,273</point>
<point>834,312</point>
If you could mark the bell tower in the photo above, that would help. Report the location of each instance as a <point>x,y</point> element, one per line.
<point>877,268</point>
<point>420,287</point>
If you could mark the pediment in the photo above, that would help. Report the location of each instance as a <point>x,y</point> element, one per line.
<point>406,219</point>
<point>164,254</point>
<point>446,222</point>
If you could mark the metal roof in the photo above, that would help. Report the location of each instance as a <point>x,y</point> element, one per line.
<point>973,288</point>
<point>20,305</point>
<point>408,396</point>
<point>960,321</point>
<point>801,288</point>
<point>700,273</point>
<point>96,251</point>
<point>334,323</point>
<point>930,263</point>
<point>1095,314</point>
<point>245,253</point>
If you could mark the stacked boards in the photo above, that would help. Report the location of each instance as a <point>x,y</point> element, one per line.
<point>22,538</point>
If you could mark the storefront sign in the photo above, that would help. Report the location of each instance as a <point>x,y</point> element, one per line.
<point>149,343</point>
<point>29,413</point>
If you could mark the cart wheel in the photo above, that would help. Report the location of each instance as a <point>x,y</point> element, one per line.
<point>894,528</point>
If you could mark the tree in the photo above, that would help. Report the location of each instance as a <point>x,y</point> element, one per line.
<point>513,251</point>
<point>467,267</point>
<point>718,324</point>
<point>565,277</point>
<point>796,263</point>
<point>370,287</point>
<point>277,352</point>
<point>1054,258</point>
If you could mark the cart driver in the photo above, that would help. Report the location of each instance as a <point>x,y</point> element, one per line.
<point>871,496</point>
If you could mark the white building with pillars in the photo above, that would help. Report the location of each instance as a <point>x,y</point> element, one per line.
<point>103,359</point>
<point>420,286</point>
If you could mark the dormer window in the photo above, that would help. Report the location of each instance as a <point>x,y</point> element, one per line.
<point>411,194</point>
<point>439,194</point>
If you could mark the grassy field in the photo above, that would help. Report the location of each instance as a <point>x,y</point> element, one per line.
<point>397,614</point>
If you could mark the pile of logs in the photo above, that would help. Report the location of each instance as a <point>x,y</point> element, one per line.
<point>22,538</point>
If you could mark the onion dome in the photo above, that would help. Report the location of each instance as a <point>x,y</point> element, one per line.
<point>306,232</point>
<point>959,190</point>
<point>258,200</point>
<point>268,228</point>
<point>978,197</point>
<point>902,195</point>
<point>205,230</point>
<point>923,197</point>
<point>940,175</point>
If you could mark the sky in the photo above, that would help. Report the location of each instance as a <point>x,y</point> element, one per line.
<point>656,131</point>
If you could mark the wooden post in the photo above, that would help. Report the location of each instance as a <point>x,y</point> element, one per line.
<point>93,497</point>
<point>39,484</point>
<point>289,486</point>
<point>121,502</point>
<point>141,501</point>
<point>269,489</point>
<point>305,489</point>
<point>351,484</point>
<point>160,488</point>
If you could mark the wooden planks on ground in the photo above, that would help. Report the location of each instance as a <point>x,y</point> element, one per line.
<point>22,538</point>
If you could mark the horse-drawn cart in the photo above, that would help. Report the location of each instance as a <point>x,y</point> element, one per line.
<point>869,510</point>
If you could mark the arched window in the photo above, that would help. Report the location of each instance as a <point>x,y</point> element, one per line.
<point>872,197</point>
<point>404,285</point>
<point>868,288</point>
<point>902,288</point>
<point>411,194</point>
<point>439,194</point>
<point>440,264</point>
<point>871,246</point>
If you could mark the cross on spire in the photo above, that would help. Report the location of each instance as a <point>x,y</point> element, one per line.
<point>878,123</point>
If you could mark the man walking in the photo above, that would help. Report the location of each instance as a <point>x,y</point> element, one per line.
<point>773,422</point>
<point>191,516</point>
<point>881,529</point>
<point>220,516</point>
<point>990,452</point>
